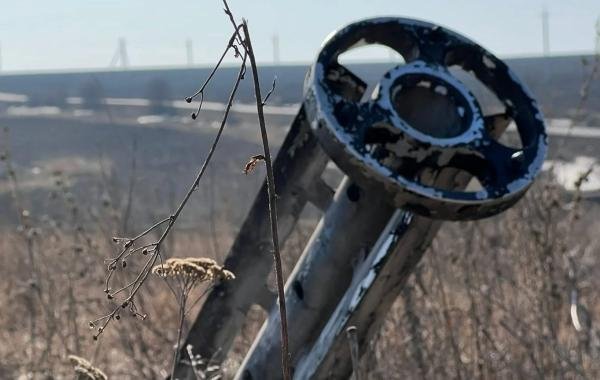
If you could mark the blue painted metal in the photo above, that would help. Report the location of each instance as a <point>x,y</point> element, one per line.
<point>364,137</point>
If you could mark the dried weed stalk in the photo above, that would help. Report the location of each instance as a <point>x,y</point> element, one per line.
<point>131,246</point>
<point>182,276</point>
<point>125,296</point>
<point>203,369</point>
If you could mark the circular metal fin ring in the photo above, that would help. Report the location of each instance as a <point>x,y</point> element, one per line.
<point>422,127</point>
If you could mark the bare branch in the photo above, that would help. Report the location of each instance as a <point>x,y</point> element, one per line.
<point>235,24</point>
<point>128,243</point>
<point>270,91</point>
<point>272,206</point>
<point>200,92</point>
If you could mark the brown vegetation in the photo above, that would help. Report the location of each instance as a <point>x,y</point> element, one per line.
<point>512,296</point>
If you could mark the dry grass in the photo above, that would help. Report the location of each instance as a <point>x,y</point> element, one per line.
<point>509,297</point>
<point>491,299</point>
<point>494,299</point>
<point>52,266</point>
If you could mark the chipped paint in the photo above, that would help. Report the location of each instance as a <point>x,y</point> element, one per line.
<point>342,126</point>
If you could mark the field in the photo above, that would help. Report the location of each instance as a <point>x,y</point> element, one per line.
<point>513,296</point>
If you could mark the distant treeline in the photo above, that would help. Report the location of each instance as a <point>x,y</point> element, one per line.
<point>555,81</point>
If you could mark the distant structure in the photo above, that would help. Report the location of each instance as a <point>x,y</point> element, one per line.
<point>276,49</point>
<point>120,56</point>
<point>189,48</point>
<point>598,36</point>
<point>545,32</point>
<point>0,57</point>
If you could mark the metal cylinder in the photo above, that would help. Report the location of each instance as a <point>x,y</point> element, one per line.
<point>343,237</point>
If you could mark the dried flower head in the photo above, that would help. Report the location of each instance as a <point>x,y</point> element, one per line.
<point>85,370</point>
<point>180,268</point>
<point>215,271</point>
<point>192,268</point>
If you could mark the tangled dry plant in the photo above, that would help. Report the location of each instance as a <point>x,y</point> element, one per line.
<point>240,43</point>
<point>508,297</point>
<point>55,294</point>
<point>131,246</point>
<point>185,274</point>
<point>85,370</point>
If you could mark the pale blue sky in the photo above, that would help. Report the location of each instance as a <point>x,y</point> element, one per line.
<point>81,34</point>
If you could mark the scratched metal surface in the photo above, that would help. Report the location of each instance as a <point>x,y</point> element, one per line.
<point>363,137</point>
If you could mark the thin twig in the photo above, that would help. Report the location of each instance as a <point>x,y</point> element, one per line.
<point>272,195</point>
<point>199,375</point>
<point>198,177</point>
<point>200,92</point>
<point>270,91</point>
<point>204,292</point>
<point>136,284</point>
<point>129,201</point>
<point>182,302</point>
<point>235,25</point>
<point>272,204</point>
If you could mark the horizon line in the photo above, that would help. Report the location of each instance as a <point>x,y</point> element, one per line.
<point>87,70</point>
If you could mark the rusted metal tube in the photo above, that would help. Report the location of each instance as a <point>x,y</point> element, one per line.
<point>345,234</point>
<point>378,281</point>
<point>374,289</point>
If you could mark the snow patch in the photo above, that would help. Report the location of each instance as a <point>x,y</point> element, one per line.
<point>568,172</point>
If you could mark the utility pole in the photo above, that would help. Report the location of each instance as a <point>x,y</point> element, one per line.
<point>189,47</point>
<point>276,49</point>
<point>598,36</point>
<point>123,53</point>
<point>545,32</point>
<point>120,55</point>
